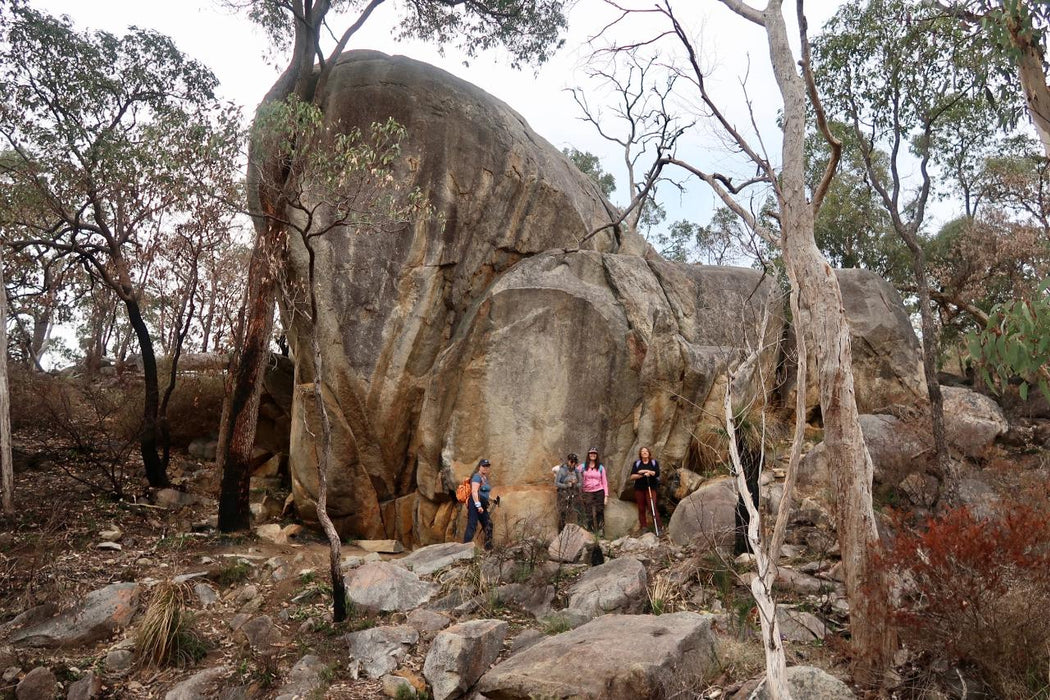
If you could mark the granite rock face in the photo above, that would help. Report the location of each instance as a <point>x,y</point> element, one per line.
<point>496,330</point>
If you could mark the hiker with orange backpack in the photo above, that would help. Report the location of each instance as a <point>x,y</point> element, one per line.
<point>478,504</point>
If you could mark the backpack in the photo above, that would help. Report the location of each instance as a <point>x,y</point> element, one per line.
<point>463,491</point>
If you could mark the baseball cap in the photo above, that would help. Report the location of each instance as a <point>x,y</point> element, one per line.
<point>484,463</point>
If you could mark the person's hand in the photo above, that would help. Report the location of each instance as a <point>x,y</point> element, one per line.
<point>606,500</point>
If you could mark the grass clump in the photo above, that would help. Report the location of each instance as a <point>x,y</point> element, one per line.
<point>166,637</point>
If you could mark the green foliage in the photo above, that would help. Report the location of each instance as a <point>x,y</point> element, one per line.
<point>231,574</point>
<point>590,166</point>
<point>1016,342</point>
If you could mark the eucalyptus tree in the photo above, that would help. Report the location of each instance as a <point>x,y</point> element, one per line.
<point>908,83</point>
<point>526,29</point>
<point>117,139</point>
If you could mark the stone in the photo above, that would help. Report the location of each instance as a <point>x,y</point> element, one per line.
<point>259,633</point>
<point>119,660</point>
<point>30,617</point>
<point>183,578</point>
<point>38,684</point>
<point>427,621</point>
<point>617,585</point>
<point>800,626</point>
<point>11,673</point>
<point>525,639</point>
<point>101,613</point>
<point>206,595</point>
<point>304,680</point>
<point>535,600</point>
<point>203,448</point>
<point>111,535</point>
<point>460,654</point>
<point>570,544</point>
<point>198,686</point>
<point>898,448</point>
<point>706,516</point>
<point>380,546</point>
<point>173,499</point>
<point>387,587</point>
<point>972,421</point>
<point>109,546</point>
<point>628,656</point>
<point>379,650</point>
<point>397,687</point>
<point>432,558</point>
<point>277,534</point>
<point>810,683</point>
<point>87,687</point>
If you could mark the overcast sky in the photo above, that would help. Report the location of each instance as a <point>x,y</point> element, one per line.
<point>246,67</point>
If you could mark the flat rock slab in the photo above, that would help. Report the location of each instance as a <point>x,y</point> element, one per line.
<point>304,678</point>
<point>385,587</point>
<point>535,600</point>
<point>200,685</point>
<point>460,654</point>
<point>378,651</point>
<point>810,683</point>
<point>570,544</point>
<point>617,585</point>
<point>627,656</point>
<point>101,613</point>
<point>426,560</point>
<point>800,626</point>
<point>380,546</point>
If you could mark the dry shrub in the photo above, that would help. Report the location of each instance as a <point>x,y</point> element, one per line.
<point>975,593</point>
<point>165,636</point>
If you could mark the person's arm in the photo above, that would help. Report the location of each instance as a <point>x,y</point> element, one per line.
<point>474,486</point>
<point>635,475</point>
<point>561,479</point>
<point>605,484</point>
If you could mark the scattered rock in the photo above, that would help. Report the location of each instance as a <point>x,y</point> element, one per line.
<point>206,595</point>
<point>246,593</point>
<point>259,633</point>
<point>109,546</point>
<point>617,585</point>
<point>173,499</point>
<point>460,654</point>
<point>183,578</point>
<point>87,687</point>
<point>304,679</point>
<point>29,617</point>
<point>810,683</point>
<point>111,535</point>
<point>119,660</point>
<point>378,651</point>
<point>380,546</point>
<point>535,600</point>
<point>570,544</point>
<point>628,656</point>
<point>386,587</point>
<point>426,621</point>
<point>397,687</point>
<point>38,684</point>
<point>203,449</point>
<point>101,613</point>
<point>800,626</point>
<point>426,560</point>
<point>277,534</point>
<point>11,673</point>
<point>199,685</point>
<point>705,516</point>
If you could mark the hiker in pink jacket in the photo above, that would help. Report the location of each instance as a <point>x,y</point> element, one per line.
<point>595,487</point>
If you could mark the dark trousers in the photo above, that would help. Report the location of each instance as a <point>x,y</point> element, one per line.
<point>641,499</point>
<point>473,518</point>
<point>594,507</point>
<point>568,507</point>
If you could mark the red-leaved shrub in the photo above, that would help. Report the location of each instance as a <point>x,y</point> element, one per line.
<point>976,591</point>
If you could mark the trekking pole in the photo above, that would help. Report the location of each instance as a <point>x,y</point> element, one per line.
<point>652,507</point>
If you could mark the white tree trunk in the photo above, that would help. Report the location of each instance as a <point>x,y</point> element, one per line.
<point>7,471</point>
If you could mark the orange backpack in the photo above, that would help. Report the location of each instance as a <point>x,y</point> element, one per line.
<point>463,491</point>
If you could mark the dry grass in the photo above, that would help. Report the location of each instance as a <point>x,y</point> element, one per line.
<point>165,636</point>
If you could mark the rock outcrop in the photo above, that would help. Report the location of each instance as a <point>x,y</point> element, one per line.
<point>499,329</point>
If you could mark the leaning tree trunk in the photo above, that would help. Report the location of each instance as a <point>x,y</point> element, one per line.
<point>7,470</point>
<point>156,472</point>
<point>822,315</point>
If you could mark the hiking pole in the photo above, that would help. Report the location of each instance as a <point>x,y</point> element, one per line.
<point>652,507</point>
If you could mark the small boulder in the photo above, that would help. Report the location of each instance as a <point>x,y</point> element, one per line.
<point>428,621</point>
<point>38,684</point>
<point>200,685</point>
<point>800,626</point>
<point>808,682</point>
<point>379,650</point>
<point>305,679</point>
<point>460,654</point>
<point>259,633</point>
<point>173,499</point>
<point>119,660</point>
<point>380,546</point>
<point>535,600</point>
<point>427,560</point>
<point>616,586</point>
<point>570,544</point>
<point>87,687</point>
<point>972,421</point>
<point>628,656</point>
<point>386,587</point>
<point>706,516</point>
<point>98,616</point>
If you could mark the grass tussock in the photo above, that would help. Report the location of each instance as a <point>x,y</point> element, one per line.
<point>166,636</point>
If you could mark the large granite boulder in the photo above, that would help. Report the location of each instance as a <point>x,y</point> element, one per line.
<point>706,516</point>
<point>615,586</point>
<point>460,654</point>
<point>499,329</point>
<point>386,587</point>
<point>627,656</point>
<point>98,616</point>
<point>972,421</point>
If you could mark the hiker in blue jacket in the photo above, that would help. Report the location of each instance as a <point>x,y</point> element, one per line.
<point>478,504</point>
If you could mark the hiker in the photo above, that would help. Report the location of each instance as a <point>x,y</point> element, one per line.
<point>595,488</point>
<point>478,504</point>
<point>567,481</point>
<point>645,473</point>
